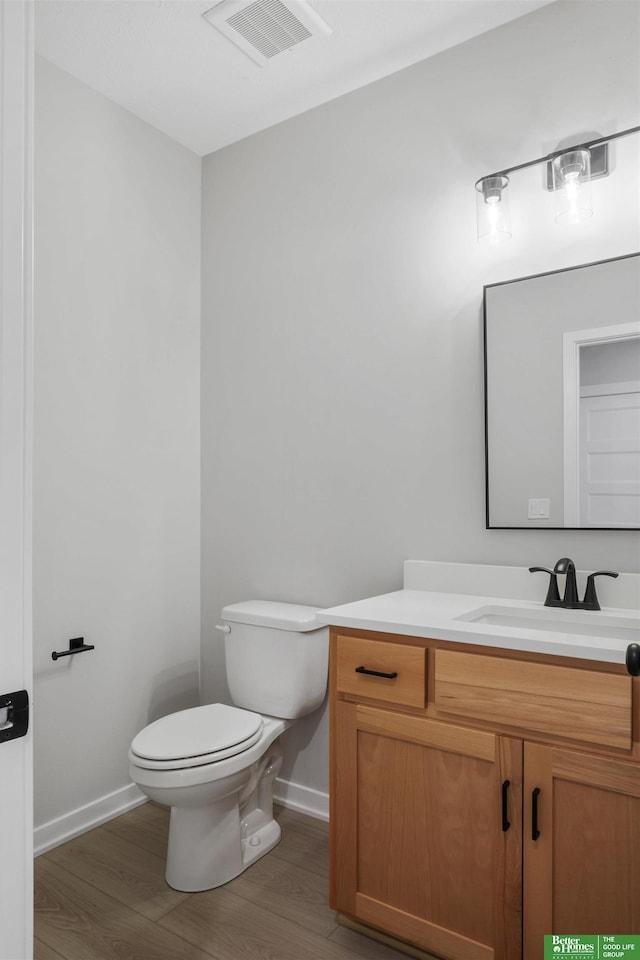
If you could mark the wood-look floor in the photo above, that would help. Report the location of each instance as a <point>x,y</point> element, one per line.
<point>103,896</point>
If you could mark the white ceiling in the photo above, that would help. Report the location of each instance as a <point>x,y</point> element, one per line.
<point>168,66</point>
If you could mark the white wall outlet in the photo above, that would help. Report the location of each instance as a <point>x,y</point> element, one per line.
<point>539,509</point>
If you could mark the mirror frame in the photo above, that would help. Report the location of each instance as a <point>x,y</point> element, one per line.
<point>502,283</point>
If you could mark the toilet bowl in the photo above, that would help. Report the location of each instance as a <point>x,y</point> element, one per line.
<point>215,765</point>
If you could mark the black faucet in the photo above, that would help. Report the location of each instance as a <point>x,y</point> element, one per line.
<point>570,600</point>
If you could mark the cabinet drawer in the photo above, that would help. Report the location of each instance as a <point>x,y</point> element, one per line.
<point>408,687</point>
<point>585,705</point>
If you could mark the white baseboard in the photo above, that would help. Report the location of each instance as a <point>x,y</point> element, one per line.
<point>295,796</point>
<point>72,824</point>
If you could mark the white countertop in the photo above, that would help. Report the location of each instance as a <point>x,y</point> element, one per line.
<point>425,613</point>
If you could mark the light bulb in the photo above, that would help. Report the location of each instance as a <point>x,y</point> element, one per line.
<point>492,209</point>
<point>572,190</point>
<point>494,218</point>
<point>572,186</point>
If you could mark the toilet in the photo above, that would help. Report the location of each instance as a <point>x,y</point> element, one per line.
<point>215,765</point>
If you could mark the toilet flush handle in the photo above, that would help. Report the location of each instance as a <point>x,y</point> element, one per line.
<point>223,627</point>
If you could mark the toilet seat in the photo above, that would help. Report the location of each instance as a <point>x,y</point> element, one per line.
<point>196,737</point>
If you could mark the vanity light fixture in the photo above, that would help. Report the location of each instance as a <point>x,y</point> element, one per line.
<point>569,174</point>
<point>492,209</point>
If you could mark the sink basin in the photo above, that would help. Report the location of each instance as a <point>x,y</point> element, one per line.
<point>555,620</point>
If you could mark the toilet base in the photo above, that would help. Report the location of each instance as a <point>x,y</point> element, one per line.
<point>205,848</point>
<point>212,842</point>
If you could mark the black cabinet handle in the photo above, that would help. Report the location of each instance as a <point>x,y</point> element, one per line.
<point>505,822</point>
<point>535,833</point>
<point>376,673</point>
<point>632,659</point>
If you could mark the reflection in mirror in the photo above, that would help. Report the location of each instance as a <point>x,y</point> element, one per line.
<point>562,386</point>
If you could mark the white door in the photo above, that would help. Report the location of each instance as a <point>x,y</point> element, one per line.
<point>610,460</point>
<point>16,784</point>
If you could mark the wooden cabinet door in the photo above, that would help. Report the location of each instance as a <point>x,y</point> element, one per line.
<point>418,845</point>
<point>582,871</point>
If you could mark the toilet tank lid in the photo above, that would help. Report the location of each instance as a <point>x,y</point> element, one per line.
<point>271,613</point>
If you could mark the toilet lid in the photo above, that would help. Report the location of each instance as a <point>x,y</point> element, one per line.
<point>202,731</point>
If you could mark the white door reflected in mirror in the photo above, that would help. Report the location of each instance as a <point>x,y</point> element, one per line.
<point>602,426</point>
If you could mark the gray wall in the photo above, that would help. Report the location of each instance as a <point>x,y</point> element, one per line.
<point>342,420</point>
<point>116,436</point>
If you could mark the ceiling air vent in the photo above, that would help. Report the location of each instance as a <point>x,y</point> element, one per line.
<point>265,28</point>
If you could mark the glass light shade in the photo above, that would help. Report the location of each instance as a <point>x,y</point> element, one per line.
<point>572,186</point>
<point>492,209</point>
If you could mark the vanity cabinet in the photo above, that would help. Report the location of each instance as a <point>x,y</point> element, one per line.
<point>446,761</point>
<point>582,845</point>
<point>418,849</point>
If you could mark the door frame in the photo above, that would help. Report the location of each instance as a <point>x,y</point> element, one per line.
<point>571,344</point>
<point>16,436</point>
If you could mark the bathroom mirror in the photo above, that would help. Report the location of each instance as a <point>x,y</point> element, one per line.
<point>562,398</point>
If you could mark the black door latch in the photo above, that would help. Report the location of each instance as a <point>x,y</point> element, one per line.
<point>14,715</point>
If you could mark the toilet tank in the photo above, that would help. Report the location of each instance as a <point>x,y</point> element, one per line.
<point>277,657</point>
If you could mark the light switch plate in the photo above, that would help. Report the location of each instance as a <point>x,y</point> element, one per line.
<point>539,509</point>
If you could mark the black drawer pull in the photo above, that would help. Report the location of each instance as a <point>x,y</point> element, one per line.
<point>505,822</point>
<point>535,833</point>
<point>376,673</point>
